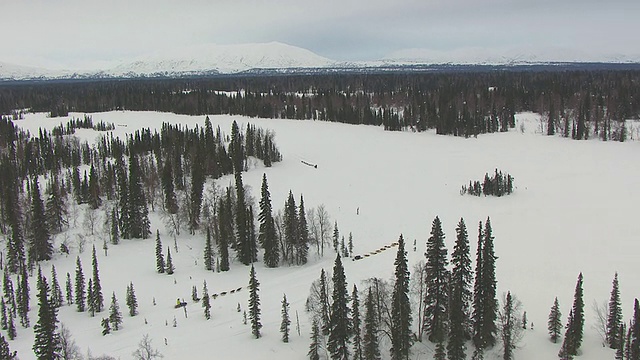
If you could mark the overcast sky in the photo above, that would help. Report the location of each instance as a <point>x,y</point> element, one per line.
<point>78,33</point>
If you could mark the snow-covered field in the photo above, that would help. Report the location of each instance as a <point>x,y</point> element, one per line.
<point>574,209</point>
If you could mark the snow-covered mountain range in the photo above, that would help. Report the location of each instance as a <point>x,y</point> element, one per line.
<point>274,56</point>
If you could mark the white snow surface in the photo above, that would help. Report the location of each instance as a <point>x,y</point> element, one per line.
<point>574,210</point>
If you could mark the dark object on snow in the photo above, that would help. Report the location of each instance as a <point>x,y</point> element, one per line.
<point>238,289</point>
<point>315,166</point>
<point>357,257</point>
<point>223,293</point>
<point>180,304</point>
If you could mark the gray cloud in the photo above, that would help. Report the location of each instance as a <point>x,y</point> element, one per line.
<point>75,33</point>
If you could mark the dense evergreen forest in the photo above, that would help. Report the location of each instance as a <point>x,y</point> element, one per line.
<point>577,104</point>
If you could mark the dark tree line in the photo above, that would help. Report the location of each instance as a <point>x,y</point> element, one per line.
<point>577,103</point>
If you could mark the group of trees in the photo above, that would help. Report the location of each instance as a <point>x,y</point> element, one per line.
<point>496,185</point>
<point>609,323</point>
<point>576,103</point>
<point>452,310</point>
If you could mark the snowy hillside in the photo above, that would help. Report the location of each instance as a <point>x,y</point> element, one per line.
<point>223,59</point>
<point>188,61</point>
<point>508,56</point>
<point>572,211</point>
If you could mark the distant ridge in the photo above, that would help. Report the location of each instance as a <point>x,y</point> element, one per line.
<point>277,58</point>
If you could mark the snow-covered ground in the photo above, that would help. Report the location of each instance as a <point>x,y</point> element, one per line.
<point>574,210</point>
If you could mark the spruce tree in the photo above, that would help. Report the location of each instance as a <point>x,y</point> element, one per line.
<point>356,324</point>
<point>478,297</point>
<point>634,331</point>
<point>69,290</point>
<point>15,246</point>
<point>5,351</point>
<point>436,299</point>
<point>208,252</point>
<point>94,199</point>
<point>285,321</point>
<point>254,303</point>
<point>170,268</point>
<point>3,315</point>
<point>554,325</point>
<point>578,318</point>
<point>80,289</point>
<point>490,306</point>
<point>124,203</point>
<point>115,316</point>
<point>11,331</point>
<point>224,236</point>
<point>339,329</point>
<point>567,350</point>
<point>206,301</point>
<point>440,353</point>
<point>371,347</point>
<point>350,244</point>
<point>56,292</point>
<point>115,230</point>
<point>508,327</point>
<point>197,185</point>
<point>138,210</point>
<point>55,208</point>
<point>41,247</point>
<point>314,347</point>
<point>302,245</point>
<point>170,202</point>
<point>194,294</point>
<point>614,318</point>
<point>132,301</point>
<point>160,265</point>
<point>267,236</point>
<point>91,302</point>
<point>621,343</point>
<point>22,296</point>
<point>106,326</point>
<point>324,303</point>
<point>401,307</point>
<point>97,288</point>
<point>336,236</point>
<point>46,345</point>
<point>291,229</point>
<point>460,295</point>
<point>244,246</point>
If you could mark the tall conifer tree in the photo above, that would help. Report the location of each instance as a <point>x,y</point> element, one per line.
<point>371,347</point>
<point>41,247</point>
<point>132,301</point>
<point>302,245</point>
<point>208,252</point>
<point>356,324</point>
<point>400,307</point>
<point>206,301</point>
<point>244,245</point>
<point>97,288</point>
<point>614,318</point>
<point>254,303</point>
<point>460,295</point>
<point>80,290</point>
<point>436,299</point>
<point>339,329</point>
<point>160,265</point>
<point>47,344</point>
<point>286,320</point>
<point>267,236</point>
<point>554,325</point>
